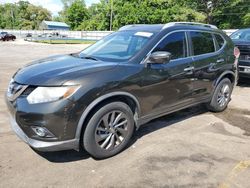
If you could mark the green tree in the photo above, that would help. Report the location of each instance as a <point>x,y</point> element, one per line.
<point>22,15</point>
<point>76,13</point>
<point>223,13</point>
<point>99,17</point>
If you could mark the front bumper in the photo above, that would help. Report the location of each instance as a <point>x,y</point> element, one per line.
<point>243,66</point>
<point>23,116</point>
<point>42,145</point>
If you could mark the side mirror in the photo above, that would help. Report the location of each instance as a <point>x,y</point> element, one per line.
<point>160,57</point>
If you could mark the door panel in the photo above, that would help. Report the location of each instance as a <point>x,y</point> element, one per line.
<point>205,63</point>
<point>204,74</point>
<point>167,85</point>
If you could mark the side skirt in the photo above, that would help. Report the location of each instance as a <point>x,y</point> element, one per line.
<point>149,117</point>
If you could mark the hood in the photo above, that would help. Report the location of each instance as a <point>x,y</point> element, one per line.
<point>57,70</point>
<point>241,42</point>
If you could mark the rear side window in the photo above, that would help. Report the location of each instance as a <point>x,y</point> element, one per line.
<point>174,43</point>
<point>220,40</point>
<point>203,42</point>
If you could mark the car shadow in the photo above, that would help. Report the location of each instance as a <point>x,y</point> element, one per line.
<point>244,82</point>
<point>168,120</point>
<point>154,125</point>
<point>64,156</point>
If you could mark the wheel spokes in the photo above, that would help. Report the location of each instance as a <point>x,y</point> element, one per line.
<point>120,124</point>
<point>101,129</point>
<point>105,120</point>
<point>122,131</point>
<point>106,141</point>
<point>118,117</point>
<point>111,143</point>
<point>118,138</point>
<point>111,130</point>
<point>101,137</point>
<point>112,117</point>
<point>223,95</point>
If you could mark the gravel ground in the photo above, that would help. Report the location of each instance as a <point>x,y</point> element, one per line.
<point>190,148</point>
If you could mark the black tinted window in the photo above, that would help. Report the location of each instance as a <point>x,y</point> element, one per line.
<point>175,44</point>
<point>202,42</point>
<point>220,41</point>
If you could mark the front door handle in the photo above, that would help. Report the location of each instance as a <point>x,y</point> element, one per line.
<point>189,70</point>
<point>220,60</point>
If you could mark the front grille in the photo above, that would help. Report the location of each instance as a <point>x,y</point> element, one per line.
<point>244,52</point>
<point>244,49</point>
<point>245,57</point>
<point>241,69</point>
<point>28,90</point>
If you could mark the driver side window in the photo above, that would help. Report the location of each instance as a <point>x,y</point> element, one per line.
<point>174,43</point>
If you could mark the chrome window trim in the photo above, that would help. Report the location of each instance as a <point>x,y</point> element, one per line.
<point>217,41</point>
<point>195,30</point>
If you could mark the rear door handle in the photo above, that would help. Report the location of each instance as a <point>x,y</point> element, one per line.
<point>189,70</point>
<point>220,60</point>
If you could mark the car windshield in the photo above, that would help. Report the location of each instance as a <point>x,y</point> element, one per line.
<point>241,34</point>
<point>119,46</point>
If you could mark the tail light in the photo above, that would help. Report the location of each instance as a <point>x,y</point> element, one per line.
<point>236,52</point>
<point>237,55</point>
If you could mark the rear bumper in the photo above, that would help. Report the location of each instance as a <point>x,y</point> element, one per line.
<point>42,145</point>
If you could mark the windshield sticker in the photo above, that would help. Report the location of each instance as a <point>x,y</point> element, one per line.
<point>143,34</point>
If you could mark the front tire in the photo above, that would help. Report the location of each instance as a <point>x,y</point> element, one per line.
<point>109,130</point>
<point>221,96</point>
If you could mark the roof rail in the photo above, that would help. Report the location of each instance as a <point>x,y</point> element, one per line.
<point>125,27</point>
<point>188,23</point>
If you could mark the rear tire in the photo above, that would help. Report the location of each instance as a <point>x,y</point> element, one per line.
<point>221,96</point>
<point>109,130</point>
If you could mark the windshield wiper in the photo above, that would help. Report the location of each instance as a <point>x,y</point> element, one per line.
<point>90,57</point>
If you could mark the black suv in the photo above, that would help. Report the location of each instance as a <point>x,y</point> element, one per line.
<point>95,99</point>
<point>241,39</point>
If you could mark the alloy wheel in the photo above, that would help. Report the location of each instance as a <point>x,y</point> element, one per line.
<point>224,95</point>
<point>111,130</point>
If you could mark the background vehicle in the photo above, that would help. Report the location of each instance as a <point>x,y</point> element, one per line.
<point>6,36</point>
<point>52,35</point>
<point>45,35</point>
<point>241,39</point>
<point>28,35</point>
<point>96,98</point>
<point>3,33</point>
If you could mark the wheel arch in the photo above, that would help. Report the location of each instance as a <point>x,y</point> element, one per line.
<point>227,74</point>
<point>125,97</point>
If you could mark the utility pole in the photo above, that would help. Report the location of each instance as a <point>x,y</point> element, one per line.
<point>12,16</point>
<point>111,15</point>
<point>210,7</point>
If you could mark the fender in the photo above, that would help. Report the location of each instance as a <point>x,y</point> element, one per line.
<point>222,75</point>
<point>96,102</point>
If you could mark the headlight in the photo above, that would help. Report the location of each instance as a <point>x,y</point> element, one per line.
<point>49,94</point>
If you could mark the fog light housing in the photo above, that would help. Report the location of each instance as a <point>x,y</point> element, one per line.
<point>42,132</point>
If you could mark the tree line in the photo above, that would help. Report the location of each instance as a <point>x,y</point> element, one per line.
<point>112,14</point>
